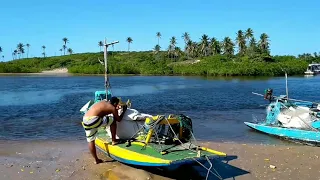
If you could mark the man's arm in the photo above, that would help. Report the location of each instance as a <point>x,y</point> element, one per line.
<point>116,115</point>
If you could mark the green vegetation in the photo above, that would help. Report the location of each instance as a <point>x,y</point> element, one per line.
<point>208,57</point>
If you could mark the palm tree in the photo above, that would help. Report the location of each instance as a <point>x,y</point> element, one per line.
<point>28,46</point>
<point>186,37</point>
<point>188,48</point>
<point>173,41</point>
<point>64,47</point>
<point>2,57</point>
<point>129,40</point>
<point>241,41</point>
<point>252,45</point>
<point>44,51</point>
<point>60,51</point>
<point>177,51</point>
<point>249,34</point>
<point>264,43</point>
<point>172,45</point>
<point>194,49</point>
<point>65,41</point>
<point>228,46</point>
<point>170,49</point>
<point>215,46</point>
<point>70,51</point>
<point>157,48</point>
<point>100,44</point>
<point>20,49</point>
<point>204,44</point>
<point>315,54</point>
<point>159,36</point>
<point>15,54</point>
<point>1,50</point>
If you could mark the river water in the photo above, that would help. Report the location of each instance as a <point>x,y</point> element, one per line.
<point>35,107</point>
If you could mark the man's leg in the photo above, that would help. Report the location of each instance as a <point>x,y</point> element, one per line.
<point>93,152</point>
<point>113,129</point>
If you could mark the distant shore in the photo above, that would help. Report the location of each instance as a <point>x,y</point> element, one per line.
<point>72,160</point>
<point>65,72</point>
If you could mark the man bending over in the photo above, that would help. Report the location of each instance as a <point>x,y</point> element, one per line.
<point>96,116</point>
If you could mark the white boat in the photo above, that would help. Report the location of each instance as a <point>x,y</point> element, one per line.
<point>313,69</point>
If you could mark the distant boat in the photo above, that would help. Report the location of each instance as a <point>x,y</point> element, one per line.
<point>313,69</point>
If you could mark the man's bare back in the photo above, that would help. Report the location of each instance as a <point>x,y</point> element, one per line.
<point>100,109</point>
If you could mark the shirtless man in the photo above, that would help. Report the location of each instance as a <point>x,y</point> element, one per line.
<point>96,116</point>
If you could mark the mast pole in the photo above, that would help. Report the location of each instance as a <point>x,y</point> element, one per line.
<point>287,86</point>
<point>107,83</point>
<point>106,66</point>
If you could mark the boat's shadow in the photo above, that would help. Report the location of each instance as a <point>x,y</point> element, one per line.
<point>220,168</point>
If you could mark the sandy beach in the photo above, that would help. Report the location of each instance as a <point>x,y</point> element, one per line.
<point>71,160</point>
<point>56,72</point>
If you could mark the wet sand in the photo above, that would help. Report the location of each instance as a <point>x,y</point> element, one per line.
<point>71,160</point>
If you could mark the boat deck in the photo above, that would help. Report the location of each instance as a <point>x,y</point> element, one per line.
<point>173,152</point>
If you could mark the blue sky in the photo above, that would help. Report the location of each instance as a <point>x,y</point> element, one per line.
<point>293,26</point>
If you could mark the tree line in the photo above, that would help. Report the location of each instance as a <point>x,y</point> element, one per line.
<point>245,55</point>
<point>21,49</point>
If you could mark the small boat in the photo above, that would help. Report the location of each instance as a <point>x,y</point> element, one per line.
<point>156,144</point>
<point>159,141</point>
<point>305,136</point>
<point>290,118</point>
<point>291,122</point>
<point>313,69</point>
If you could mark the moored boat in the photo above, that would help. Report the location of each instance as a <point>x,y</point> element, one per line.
<point>313,69</point>
<point>148,140</point>
<point>290,118</point>
<point>290,121</point>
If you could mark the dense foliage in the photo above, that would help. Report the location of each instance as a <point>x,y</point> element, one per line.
<point>208,57</point>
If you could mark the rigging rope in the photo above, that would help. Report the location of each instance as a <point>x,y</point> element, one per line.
<point>209,169</point>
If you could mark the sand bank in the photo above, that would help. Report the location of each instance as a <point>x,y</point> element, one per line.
<point>71,160</point>
<point>56,71</point>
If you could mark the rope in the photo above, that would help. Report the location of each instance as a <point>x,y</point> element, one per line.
<point>153,125</point>
<point>209,170</point>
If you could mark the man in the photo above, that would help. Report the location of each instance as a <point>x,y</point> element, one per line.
<point>96,116</point>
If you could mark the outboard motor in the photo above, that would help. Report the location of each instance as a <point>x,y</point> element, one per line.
<point>268,94</point>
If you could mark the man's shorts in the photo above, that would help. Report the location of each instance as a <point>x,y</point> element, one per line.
<point>92,123</point>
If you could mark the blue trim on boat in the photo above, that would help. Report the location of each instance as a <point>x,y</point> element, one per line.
<point>295,134</point>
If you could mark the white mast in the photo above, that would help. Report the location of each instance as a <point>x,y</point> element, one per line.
<point>287,86</point>
<point>107,84</point>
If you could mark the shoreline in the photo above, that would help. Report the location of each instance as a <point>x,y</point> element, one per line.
<point>55,73</point>
<point>72,160</point>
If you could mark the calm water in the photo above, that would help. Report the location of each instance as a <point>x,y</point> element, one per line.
<point>47,107</point>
